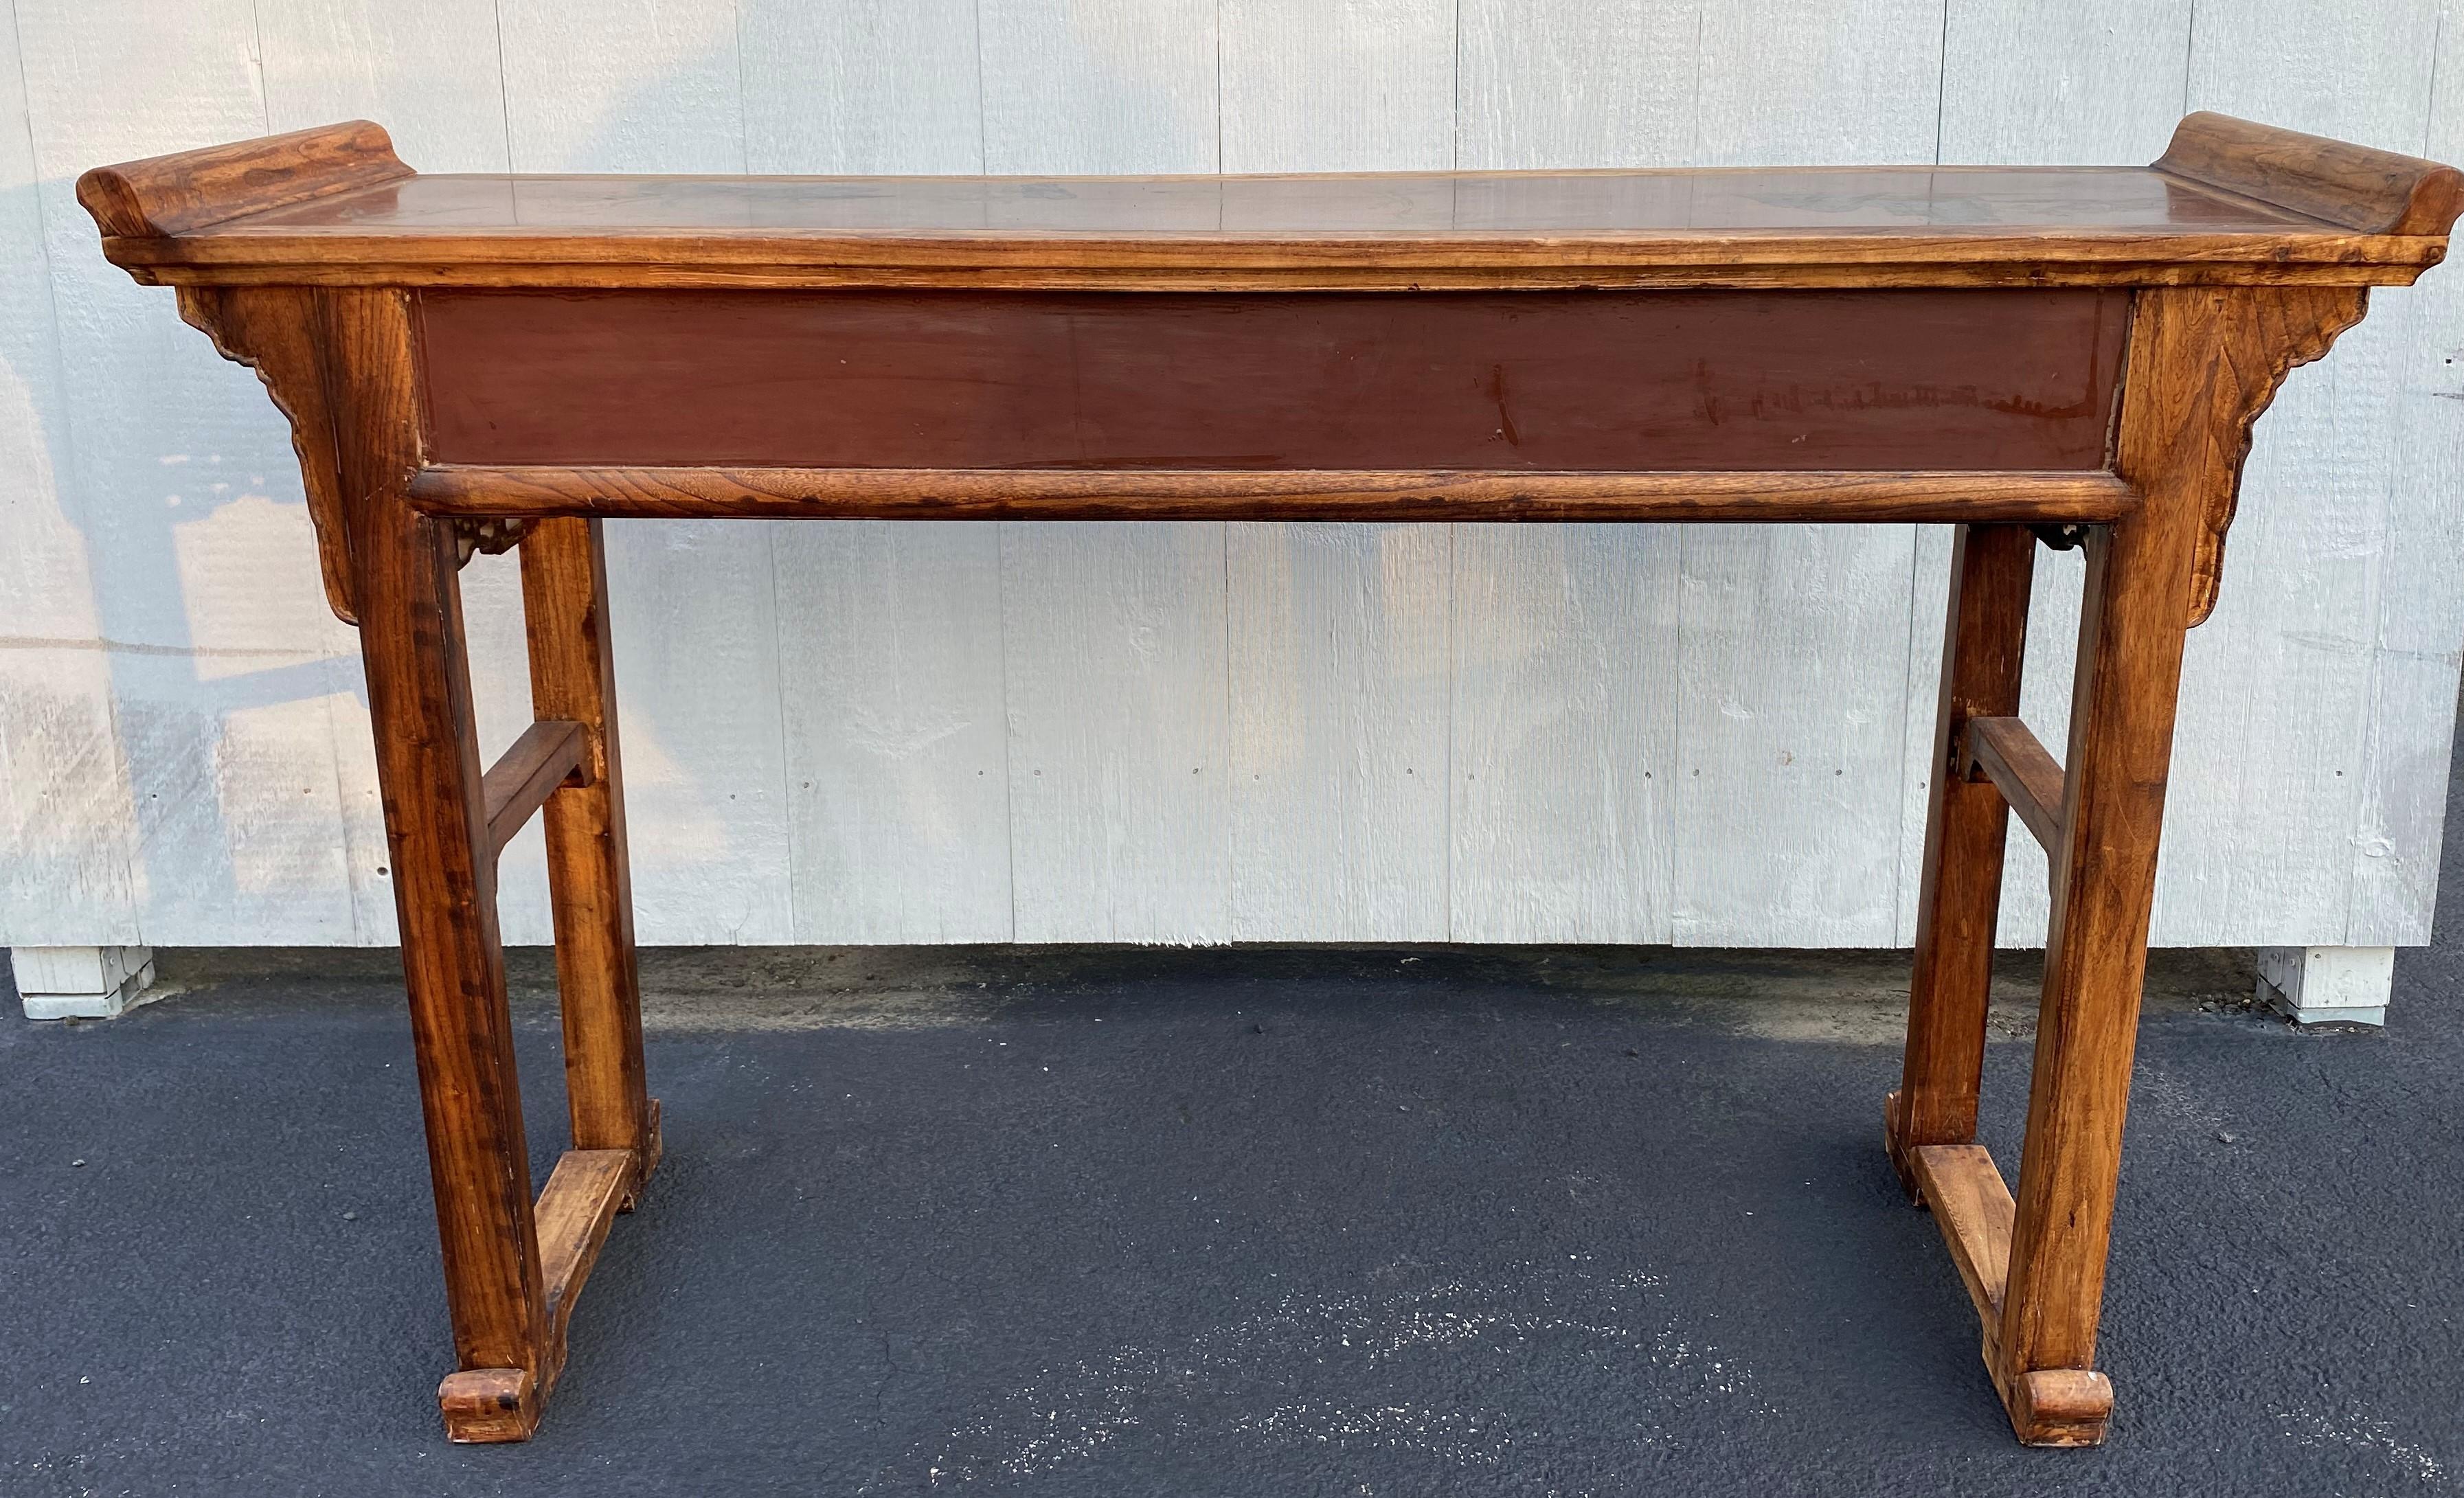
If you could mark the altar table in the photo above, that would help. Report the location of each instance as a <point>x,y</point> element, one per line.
<point>2066,355</point>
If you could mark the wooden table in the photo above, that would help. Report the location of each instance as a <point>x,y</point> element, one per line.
<point>2072,356</point>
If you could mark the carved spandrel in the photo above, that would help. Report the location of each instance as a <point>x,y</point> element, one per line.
<point>272,330</point>
<point>2265,336</point>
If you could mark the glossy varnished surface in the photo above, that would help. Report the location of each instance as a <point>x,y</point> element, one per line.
<point>2232,203</point>
<point>1608,380</point>
<point>1781,227</point>
<point>1540,205</point>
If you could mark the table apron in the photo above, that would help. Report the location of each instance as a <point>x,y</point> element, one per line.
<point>1957,497</point>
<point>1592,382</point>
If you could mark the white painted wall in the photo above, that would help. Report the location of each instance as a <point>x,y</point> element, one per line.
<point>864,732</point>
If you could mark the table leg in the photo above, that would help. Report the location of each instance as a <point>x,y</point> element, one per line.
<point>443,870</point>
<point>2132,624</point>
<point>444,877</point>
<point>1991,568</point>
<point>565,605</point>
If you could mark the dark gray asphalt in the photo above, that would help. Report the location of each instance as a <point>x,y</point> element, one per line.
<point>1241,1222</point>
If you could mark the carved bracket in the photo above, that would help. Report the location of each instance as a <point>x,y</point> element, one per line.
<point>272,330</point>
<point>2280,329</point>
<point>490,534</point>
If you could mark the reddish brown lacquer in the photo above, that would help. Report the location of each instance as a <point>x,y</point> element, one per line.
<point>1714,381</point>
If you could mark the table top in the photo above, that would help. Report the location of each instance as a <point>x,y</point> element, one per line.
<point>336,200</point>
<point>1537,206</point>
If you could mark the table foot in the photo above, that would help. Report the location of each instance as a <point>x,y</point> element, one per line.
<point>489,1404</point>
<point>2059,1406</point>
<point>1971,1204</point>
<point>1894,1136</point>
<point>652,1148</point>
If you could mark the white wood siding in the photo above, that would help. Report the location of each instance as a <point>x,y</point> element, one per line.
<point>864,732</point>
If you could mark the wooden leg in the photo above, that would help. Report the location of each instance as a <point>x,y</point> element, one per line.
<point>444,877</point>
<point>564,603</point>
<point>1991,568</point>
<point>2131,630</point>
<point>507,1299</point>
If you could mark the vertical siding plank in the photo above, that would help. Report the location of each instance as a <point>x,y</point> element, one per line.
<point>1792,733</point>
<point>1338,643</point>
<point>1122,812</point>
<point>431,78</point>
<point>2087,81</point>
<point>2282,674</point>
<point>67,837</point>
<point>888,634</point>
<point>1576,83</point>
<point>1792,720</point>
<point>857,86</point>
<point>890,642</point>
<point>1565,731</point>
<point>2418,634</point>
<point>1099,86</point>
<point>623,85</point>
<point>1339,86</point>
<point>1338,731</point>
<point>225,663</point>
<point>653,85</point>
<point>1112,636</point>
<point>2100,81</point>
<point>427,73</point>
<point>1853,82</point>
<point>1564,637</point>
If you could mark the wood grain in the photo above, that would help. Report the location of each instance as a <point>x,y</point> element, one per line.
<point>575,1208</point>
<point>589,867</point>
<point>428,757</point>
<point>491,1404</point>
<point>272,330</point>
<point>191,190</point>
<point>1780,227</point>
<point>1983,647</point>
<point>546,755</point>
<point>2287,329</point>
<point>2366,191</point>
<point>1964,1189</point>
<point>1152,494</point>
<point>1150,842</point>
<point>2199,362</point>
<point>2005,751</point>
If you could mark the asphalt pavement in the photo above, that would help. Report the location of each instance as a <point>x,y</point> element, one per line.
<point>1274,1222</point>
